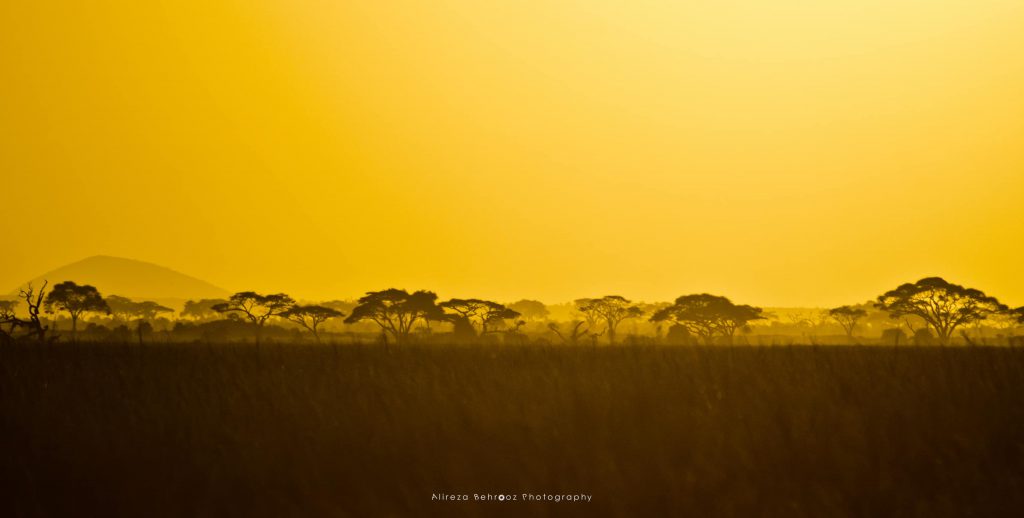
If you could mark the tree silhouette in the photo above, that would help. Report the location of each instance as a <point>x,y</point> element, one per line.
<point>257,308</point>
<point>612,309</point>
<point>737,317</point>
<point>310,317</point>
<point>589,312</point>
<point>7,308</point>
<point>396,311</point>
<point>35,301</point>
<point>7,317</point>
<point>530,309</point>
<point>76,301</point>
<point>942,305</point>
<point>201,309</point>
<point>463,331</point>
<point>122,308</point>
<point>706,315</point>
<point>480,312</point>
<point>847,317</point>
<point>128,310</point>
<point>464,311</point>
<point>678,335</point>
<point>147,310</point>
<point>574,335</point>
<point>494,318</point>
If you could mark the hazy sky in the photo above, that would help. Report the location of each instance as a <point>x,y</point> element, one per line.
<point>779,152</point>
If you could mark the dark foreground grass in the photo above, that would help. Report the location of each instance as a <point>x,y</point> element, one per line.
<point>368,431</point>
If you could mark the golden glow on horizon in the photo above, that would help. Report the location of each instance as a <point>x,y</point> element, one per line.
<point>788,152</point>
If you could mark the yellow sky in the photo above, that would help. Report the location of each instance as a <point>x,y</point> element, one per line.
<point>778,152</point>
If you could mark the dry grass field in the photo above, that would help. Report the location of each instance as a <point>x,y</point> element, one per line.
<point>209,430</point>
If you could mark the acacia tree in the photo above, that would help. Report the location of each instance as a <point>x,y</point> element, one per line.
<point>589,312</point>
<point>942,305</point>
<point>148,310</point>
<point>612,309</point>
<point>696,313</point>
<point>847,317</point>
<point>737,317</point>
<point>484,313</point>
<point>145,312</point>
<point>396,311</point>
<point>127,310</point>
<point>310,317</point>
<point>201,309</point>
<point>464,313</point>
<point>496,315</point>
<point>530,309</point>
<point>255,307</point>
<point>142,312</point>
<point>121,308</point>
<point>707,315</point>
<point>76,301</point>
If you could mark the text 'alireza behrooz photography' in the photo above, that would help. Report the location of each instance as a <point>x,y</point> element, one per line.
<point>511,258</point>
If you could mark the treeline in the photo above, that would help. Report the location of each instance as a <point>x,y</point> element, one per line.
<point>929,311</point>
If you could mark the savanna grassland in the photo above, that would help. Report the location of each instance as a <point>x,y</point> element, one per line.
<point>287,430</point>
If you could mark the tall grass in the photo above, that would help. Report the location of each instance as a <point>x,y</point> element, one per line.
<point>373,431</point>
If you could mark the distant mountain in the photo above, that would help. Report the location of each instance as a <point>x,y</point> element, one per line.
<point>133,279</point>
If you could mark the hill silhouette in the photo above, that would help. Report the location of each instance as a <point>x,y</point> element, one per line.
<point>133,279</point>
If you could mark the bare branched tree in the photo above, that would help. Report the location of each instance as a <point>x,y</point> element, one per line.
<point>35,301</point>
<point>574,335</point>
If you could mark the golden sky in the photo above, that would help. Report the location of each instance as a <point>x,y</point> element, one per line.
<point>780,152</point>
